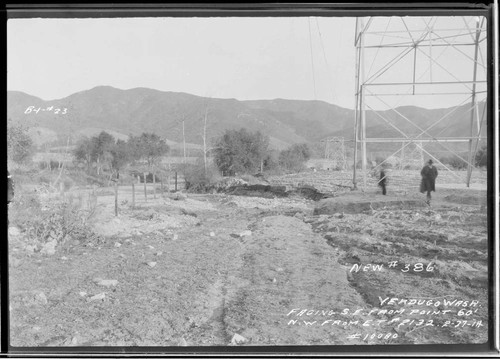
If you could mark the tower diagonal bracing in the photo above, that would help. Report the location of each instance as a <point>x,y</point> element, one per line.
<point>408,70</point>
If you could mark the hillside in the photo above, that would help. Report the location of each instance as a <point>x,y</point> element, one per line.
<point>124,112</point>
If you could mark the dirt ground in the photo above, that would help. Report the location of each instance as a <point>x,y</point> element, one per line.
<point>219,270</point>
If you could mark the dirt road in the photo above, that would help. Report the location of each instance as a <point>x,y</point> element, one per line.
<point>217,270</point>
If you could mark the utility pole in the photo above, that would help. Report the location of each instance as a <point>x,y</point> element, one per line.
<point>357,107</point>
<point>473,104</point>
<point>205,140</point>
<point>184,140</point>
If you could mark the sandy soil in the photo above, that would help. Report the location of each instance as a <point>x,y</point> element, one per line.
<point>218,270</point>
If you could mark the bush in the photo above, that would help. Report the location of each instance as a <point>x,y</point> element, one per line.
<point>458,163</point>
<point>54,165</point>
<point>294,158</point>
<point>454,162</point>
<point>481,159</point>
<point>60,222</point>
<point>196,180</point>
<point>240,151</point>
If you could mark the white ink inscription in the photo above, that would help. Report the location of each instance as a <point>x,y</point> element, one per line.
<point>404,267</point>
<point>33,109</point>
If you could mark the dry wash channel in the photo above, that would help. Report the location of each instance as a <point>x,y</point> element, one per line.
<point>224,270</point>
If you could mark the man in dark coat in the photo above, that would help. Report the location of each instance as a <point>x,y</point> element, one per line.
<point>383,181</point>
<point>428,183</point>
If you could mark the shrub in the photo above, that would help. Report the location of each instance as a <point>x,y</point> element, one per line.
<point>481,159</point>
<point>271,162</point>
<point>294,158</point>
<point>458,163</point>
<point>54,165</point>
<point>196,180</point>
<point>454,162</point>
<point>240,151</point>
<point>60,222</point>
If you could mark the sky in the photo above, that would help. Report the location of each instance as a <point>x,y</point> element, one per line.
<point>305,58</point>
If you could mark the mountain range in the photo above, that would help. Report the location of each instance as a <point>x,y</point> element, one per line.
<point>125,112</point>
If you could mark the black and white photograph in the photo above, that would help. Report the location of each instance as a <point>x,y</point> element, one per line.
<point>284,177</point>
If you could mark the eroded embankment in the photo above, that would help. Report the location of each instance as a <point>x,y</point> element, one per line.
<point>437,252</point>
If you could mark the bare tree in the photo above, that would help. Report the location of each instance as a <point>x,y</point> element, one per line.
<point>205,140</point>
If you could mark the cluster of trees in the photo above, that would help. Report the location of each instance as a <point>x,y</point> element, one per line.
<point>241,151</point>
<point>235,152</point>
<point>104,151</point>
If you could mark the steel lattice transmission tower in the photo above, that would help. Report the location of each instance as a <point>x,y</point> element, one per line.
<point>335,151</point>
<point>411,154</point>
<point>405,63</point>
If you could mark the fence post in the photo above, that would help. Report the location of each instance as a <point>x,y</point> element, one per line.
<point>154,185</point>
<point>133,195</point>
<point>145,189</point>
<point>116,198</point>
<point>92,202</point>
<point>175,181</point>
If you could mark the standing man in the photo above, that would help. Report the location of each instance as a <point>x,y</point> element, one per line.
<point>383,181</point>
<point>428,183</point>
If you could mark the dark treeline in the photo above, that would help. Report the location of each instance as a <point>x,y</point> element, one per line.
<point>103,151</point>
